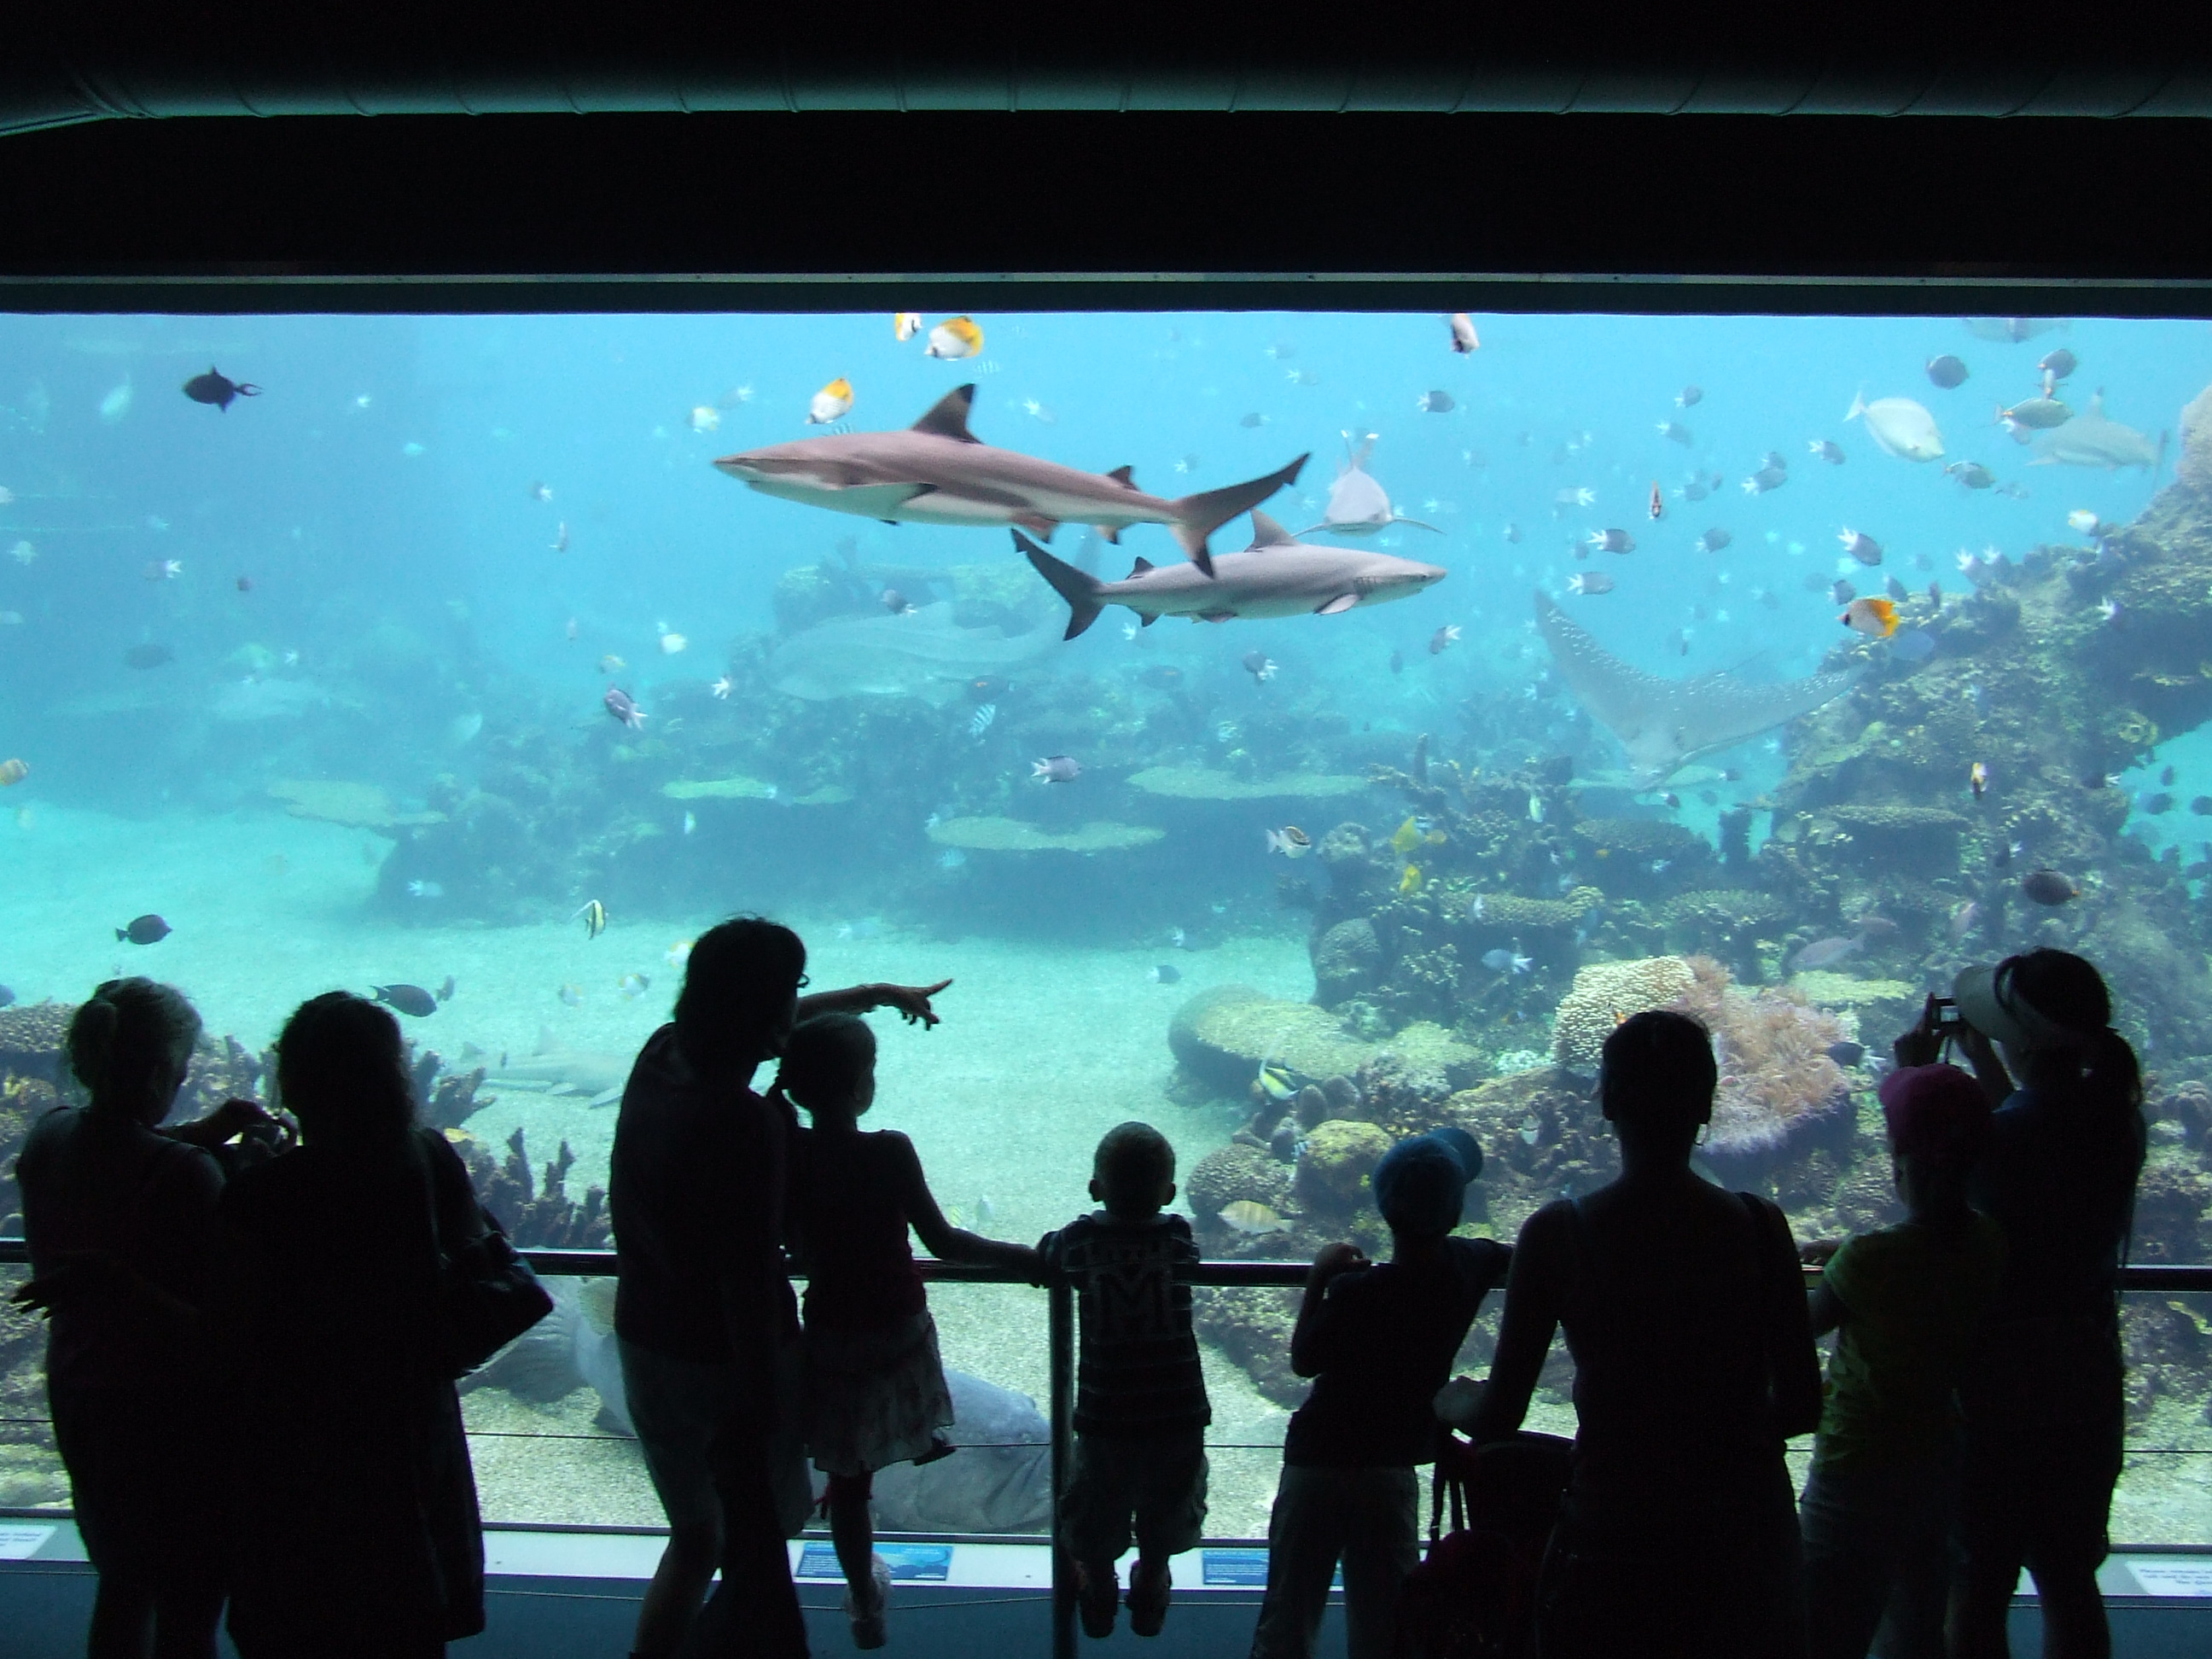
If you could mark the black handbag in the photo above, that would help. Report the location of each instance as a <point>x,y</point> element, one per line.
<point>487,1296</point>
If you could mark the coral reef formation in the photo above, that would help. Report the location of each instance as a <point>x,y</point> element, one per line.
<point>536,1213</point>
<point>1606,993</point>
<point>2194,468</point>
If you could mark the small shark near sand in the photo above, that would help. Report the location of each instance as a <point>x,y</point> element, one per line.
<point>1276,577</point>
<point>1664,724</point>
<point>559,1071</point>
<point>938,472</point>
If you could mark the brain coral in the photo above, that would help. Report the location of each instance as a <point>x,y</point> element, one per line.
<point>1604,993</point>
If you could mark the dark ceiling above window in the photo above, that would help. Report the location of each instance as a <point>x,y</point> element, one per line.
<point>1572,155</point>
<point>94,59</point>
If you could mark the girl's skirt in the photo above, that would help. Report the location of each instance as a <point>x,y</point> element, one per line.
<point>875,1394</point>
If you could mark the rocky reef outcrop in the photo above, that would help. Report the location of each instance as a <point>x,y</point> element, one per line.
<point>1516,914</point>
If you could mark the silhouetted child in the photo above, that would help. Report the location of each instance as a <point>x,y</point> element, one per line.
<point>1879,1501</point>
<point>1138,1464</point>
<point>875,1388</point>
<point>1379,1342</point>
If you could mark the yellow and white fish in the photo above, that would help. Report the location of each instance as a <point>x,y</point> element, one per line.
<point>594,918</point>
<point>1876,618</point>
<point>831,403</point>
<point>678,953</point>
<point>906,325</point>
<point>706,418</point>
<point>1252,1217</point>
<point>672,643</point>
<point>955,338</point>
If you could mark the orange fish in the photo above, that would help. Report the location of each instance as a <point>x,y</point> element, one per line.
<point>1876,618</point>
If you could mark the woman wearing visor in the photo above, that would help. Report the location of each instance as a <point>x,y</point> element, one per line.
<point>2042,1395</point>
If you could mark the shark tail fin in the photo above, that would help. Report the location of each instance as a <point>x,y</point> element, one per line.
<point>1079,589</point>
<point>1197,517</point>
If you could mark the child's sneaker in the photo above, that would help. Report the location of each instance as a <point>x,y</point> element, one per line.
<point>1148,1597</point>
<point>868,1630</point>
<point>1098,1598</point>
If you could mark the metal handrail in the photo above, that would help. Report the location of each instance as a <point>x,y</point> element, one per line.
<point>2172,1279</point>
<point>1059,1317</point>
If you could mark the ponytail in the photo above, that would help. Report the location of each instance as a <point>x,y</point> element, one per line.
<point>127,1038</point>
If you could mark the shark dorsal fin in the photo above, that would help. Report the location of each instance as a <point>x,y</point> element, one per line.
<point>948,416</point>
<point>1124,476</point>
<point>1139,568</point>
<point>1266,532</point>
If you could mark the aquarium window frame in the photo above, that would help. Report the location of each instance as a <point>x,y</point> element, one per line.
<point>253,291</point>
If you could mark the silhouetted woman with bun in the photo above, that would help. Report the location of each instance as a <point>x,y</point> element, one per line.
<point>356,1532</point>
<point>2042,1397</point>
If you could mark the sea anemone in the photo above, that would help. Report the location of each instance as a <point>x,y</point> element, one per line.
<point>1777,1075</point>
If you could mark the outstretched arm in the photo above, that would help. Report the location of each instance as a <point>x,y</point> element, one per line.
<point>912,1001</point>
<point>939,1236</point>
<point>1535,1292</point>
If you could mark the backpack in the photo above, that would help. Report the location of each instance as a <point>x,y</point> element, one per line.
<point>1475,1596</point>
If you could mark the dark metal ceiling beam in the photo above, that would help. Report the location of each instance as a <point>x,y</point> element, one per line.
<point>97,59</point>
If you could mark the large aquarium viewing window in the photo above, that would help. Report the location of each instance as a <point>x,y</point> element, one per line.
<point>1293,730</point>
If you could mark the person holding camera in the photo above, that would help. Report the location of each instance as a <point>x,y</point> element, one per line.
<point>2041,1394</point>
<point>120,1216</point>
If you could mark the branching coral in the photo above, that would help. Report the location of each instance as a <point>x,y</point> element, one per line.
<point>538,1215</point>
<point>450,1100</point>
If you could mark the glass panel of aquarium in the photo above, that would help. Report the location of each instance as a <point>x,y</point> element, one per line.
<point>2164,1494</point>
<point>1293,730</point>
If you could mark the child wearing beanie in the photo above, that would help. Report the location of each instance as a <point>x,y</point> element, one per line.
<point>1378,1340</point>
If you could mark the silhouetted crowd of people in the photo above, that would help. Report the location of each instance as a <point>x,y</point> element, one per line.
<point>251,1369</point>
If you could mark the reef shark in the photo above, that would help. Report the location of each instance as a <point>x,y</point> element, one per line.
<point>2090,438</point>
<point>938,472</point>
<point>924,652</point>
<point>1664,724</point>
<point>1276,577</point>
<point>559,1071</point>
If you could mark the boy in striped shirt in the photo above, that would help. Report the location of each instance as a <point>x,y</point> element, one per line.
<point>1139,1465</point>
